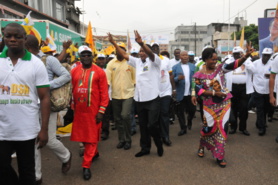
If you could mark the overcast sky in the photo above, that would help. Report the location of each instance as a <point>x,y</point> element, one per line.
<point>163,16</point>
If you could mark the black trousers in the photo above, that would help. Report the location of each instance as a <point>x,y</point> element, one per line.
<point>239,106</point>
<point>148,115</point>
<point>185,106</point>
<point>106,118</point>
<point>263,106</point>
<point>26,162</point>
<point>164,115</point>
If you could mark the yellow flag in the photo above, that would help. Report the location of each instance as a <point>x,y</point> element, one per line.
<point>234,39</point>
<point>241,38</point>
<point>89,37</point>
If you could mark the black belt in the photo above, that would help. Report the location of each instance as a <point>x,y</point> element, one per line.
<point>238,84</point>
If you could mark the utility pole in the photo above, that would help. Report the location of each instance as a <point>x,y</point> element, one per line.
<point>195,41</point>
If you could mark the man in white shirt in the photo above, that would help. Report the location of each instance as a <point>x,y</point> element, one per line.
<point>24,82</point>
<point>240,98</point>
<point>261,72</point>
<point>165,95</point>
<point>146,94</point>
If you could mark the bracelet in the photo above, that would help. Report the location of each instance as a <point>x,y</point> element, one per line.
<point>174,90</point>
<point>213,92</point>
<point>193,93</point>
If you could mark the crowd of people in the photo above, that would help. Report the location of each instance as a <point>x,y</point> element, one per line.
<point>141,83</point>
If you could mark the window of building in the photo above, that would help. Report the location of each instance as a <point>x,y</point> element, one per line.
<point>184,32</point>
<point>59,11</point>
<point>203,32</point>
<point>47,7</point>
<point>34,4</point>
<point>184,40</point>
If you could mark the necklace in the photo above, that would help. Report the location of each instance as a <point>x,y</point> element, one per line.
<point>207,78</point>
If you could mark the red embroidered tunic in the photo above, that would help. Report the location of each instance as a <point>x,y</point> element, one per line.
<point>90,96</point>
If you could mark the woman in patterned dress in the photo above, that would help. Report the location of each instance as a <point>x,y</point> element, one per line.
<point>210,85</point>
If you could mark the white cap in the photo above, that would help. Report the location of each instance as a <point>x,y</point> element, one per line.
<point>112,56</point>
<point>191,53</point>
<point>84,48</point>
<point>267,51</point>
<point>154,43</point>
<point>207,46</point>
<point>100,55</point>
<point>134,50</point>
<point>237,49</point>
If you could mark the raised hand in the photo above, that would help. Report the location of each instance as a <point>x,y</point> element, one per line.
<point>138,38</point>
<point>110,38</point>
<point>249,48</point>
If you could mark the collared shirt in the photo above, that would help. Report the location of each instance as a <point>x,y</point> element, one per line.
<point>173,62</point>
<point>260,82</point>
<point>147,78</point>
<point>274,69</point>
<point>19,109</point>
<point>186,73</point>
<point>165,84</point>
<point>121,77</point>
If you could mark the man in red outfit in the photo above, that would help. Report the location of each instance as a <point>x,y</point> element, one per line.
<point>90,98</point>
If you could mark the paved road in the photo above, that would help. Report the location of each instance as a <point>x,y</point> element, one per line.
<point>251,160</point>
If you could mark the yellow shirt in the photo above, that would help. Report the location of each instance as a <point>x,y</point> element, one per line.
<point>121,78</point>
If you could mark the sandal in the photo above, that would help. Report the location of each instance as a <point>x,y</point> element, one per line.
<point>201,152</point>
<point>222,163</point>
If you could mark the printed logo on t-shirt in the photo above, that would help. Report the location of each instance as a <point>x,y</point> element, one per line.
<point>12,91</point>
<point>146,68</point>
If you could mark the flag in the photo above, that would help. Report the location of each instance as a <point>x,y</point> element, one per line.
<point>50,42</point>
<point>241,42</point>
<point>89,37</point>
<point>234,39</point>
<point>128,42</point>
<point>28,23</point>
<point>109,50</point>
<point>2,10</point>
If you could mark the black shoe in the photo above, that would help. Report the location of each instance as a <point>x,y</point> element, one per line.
<point>232,131</point>
<point>182,132</point>
<point>95,157</point>
<point>222,163</point>
<point>121,145</point>
<point>86,173</point>
<point>133,132</point>
<point>261,132</point>
<point>269,119</point>
<point>167,141</point>
<point>39,181</point>
<point>104,136</point>
<point>141,153</point>
<point>127,146</point>
<point>189,125</point>
<point>160,151</point>
<point>171,122</point>
<point>277,139</point>
<point>245,132</point>
<point>66,166</point>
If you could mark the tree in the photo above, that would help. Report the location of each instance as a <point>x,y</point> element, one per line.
<point>250,34</point>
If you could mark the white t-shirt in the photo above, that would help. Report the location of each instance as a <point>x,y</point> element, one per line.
<point>165,84</point>
<point>147,78</point>
<point>260,82</point>
<point>239,76</point>
<point>186,72</point>
<point>173,62</point>
<point>274,69</point>
<point>19,108</point>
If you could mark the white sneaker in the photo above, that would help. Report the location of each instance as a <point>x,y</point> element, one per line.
<point>251,111</point>
<point>13,155</point>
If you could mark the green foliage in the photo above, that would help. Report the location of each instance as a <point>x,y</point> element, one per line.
<point>250,34</point>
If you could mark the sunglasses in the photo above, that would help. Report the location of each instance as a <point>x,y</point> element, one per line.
<point>85,55</point>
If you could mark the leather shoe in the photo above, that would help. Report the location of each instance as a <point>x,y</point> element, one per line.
<point>189,125</point>
<point>104,136</point>
<point>86,173</point>
<point>142,153</point>
<point>167,141</point>
<point>66,166</point>
<point>232,131</point>
<point>261,132</point>
<point>127,146</point>
<point>39,181</point>
<point>245,132</point>
<point>160,151</point>
<point>182,132</point>
<point>133,132</point>
<point>276,139</point>
<point>121,145</point>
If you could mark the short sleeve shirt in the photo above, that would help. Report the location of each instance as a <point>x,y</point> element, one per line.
<point>19,107</point>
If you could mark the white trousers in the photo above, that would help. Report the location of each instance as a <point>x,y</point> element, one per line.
<point>54,144</point>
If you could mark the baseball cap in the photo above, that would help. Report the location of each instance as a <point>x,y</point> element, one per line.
<point>154,43</point>
<point>46,49</point>
<point>121,44</point>
<point>267,51</point>
<point>191,53</point>
<point>84,48</point>
<point>112,56</point>
<point>134,50</point>
<point>100,55</point>
<point>237,49</point>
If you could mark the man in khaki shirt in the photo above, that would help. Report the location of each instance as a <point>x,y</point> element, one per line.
<point>121,77</point>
